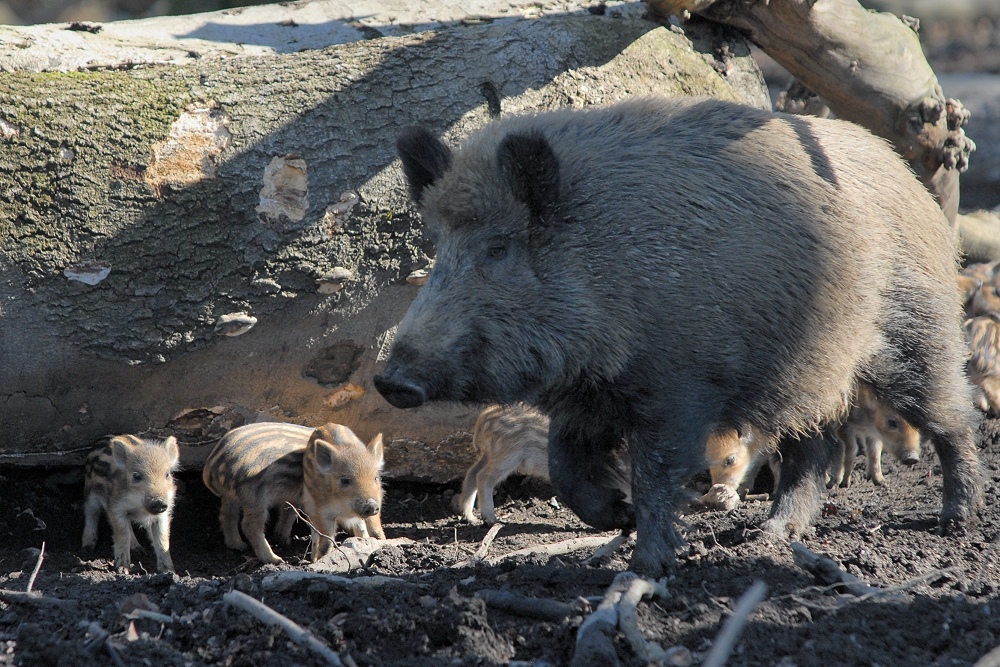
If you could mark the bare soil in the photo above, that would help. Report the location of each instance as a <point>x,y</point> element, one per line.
<point>941,607</point>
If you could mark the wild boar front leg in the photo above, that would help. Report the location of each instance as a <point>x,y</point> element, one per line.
<point>253,527</point>
<point>662,458</point>
<point>374,524</point>
<point>159,534</point>
<point>465,501</point>
<point>229,520</point>
<point>92,514</point>
<point>580,450</point>
<point>873,460</point>
<point>121,530</point>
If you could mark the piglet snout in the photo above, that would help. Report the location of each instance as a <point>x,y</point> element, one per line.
<point>368,507</point>
<point>157,505</point>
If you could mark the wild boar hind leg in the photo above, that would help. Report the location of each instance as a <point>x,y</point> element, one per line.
<point>805,461</point>
<point>580,451</point>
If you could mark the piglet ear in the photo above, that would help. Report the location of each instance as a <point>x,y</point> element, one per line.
<point>173,452</point>
<point>376,450</point>
<point>531,169</point>
<point>322,455</point>
<point>121,448</point>
<point>425,159</point>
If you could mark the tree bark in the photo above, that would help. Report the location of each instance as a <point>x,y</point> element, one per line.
<point>184,248</point>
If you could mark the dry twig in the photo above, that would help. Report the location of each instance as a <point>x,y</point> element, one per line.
<point>299,635</point>
<point>483,549</point>
<point>38,566</point>
<point>648,652</point>
<point>151,615</point>
<point>555,549</point>
<point>725,642</point>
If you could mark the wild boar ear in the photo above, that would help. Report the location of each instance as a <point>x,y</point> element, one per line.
<point>321,453</point>
<point>532,170</point>
<point>425,159</point>
<point>375,449</point>
<point>120,450</point>
<point>170,444</point>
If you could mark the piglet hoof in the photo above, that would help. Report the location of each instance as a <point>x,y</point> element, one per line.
<point>87,551</point>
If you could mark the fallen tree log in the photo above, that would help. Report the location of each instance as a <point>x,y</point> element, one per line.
<point>187,247</point>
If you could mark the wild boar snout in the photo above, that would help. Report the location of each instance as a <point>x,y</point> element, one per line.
<point>399,390</point>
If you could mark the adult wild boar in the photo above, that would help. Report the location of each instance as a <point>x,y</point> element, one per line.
<point>660,268</point>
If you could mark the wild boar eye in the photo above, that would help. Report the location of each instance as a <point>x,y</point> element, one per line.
<point>497,251</point>
<point>136,477</point>
<point>730,460</point>
<point>345,482</point>
<point>892,423</point>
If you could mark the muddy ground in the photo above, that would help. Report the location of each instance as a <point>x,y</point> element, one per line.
<point>941,607</point>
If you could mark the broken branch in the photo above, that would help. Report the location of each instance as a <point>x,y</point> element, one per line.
<point>638,588</point>
<point>608,549</point>
<point>36,599</point>
<point>529,607</point>
<point>595,643</point>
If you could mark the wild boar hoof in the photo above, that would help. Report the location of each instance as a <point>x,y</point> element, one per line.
<point>651,562</point>
<point>953,527</point>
